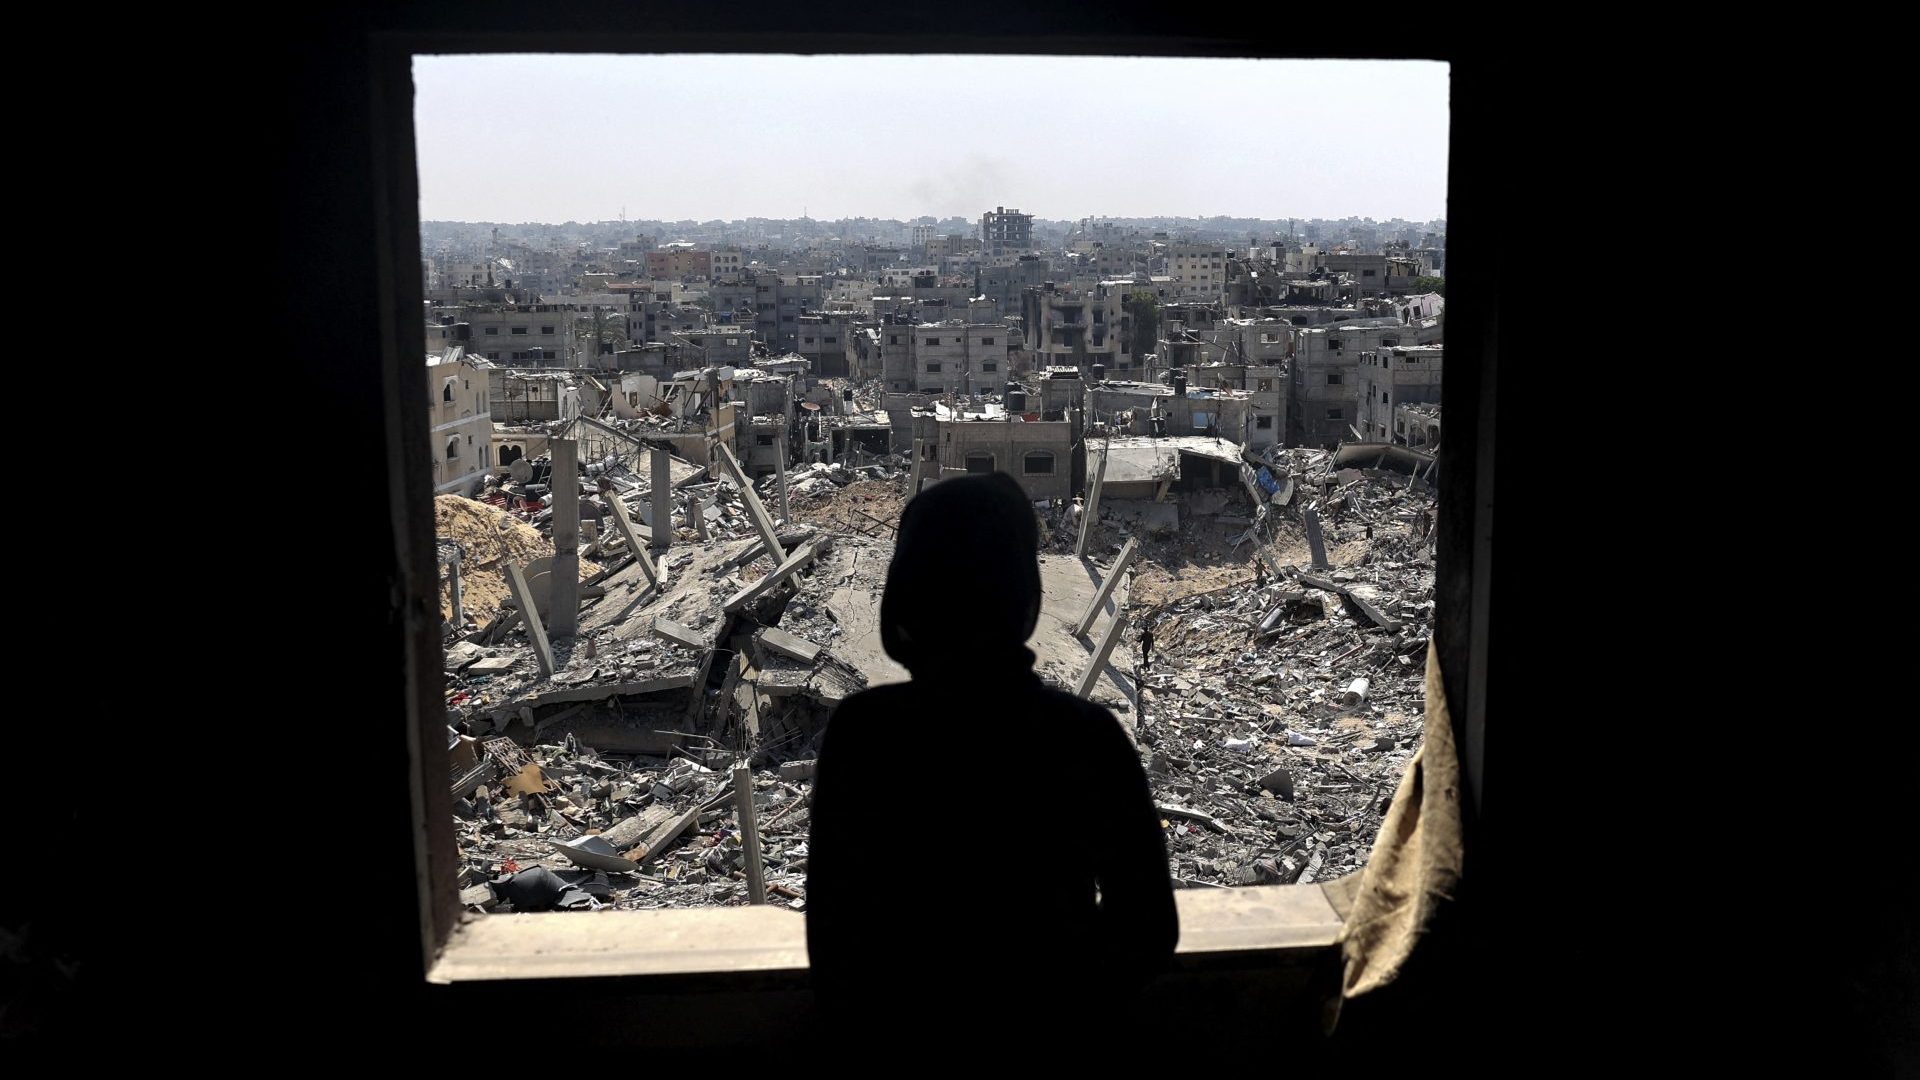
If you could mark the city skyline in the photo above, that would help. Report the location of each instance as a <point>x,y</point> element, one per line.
<point>940,136</point>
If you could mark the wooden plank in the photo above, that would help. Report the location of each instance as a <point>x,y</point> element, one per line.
<point>657,841</point>
<point>628,834</point>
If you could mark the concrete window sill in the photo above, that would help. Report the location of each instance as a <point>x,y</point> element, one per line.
<point>1286,924</point>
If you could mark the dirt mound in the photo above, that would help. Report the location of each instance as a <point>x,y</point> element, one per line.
<point>871,507</point>
<point>489,537</point>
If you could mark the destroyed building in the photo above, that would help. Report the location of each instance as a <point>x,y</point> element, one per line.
<point>1389,378</point>
<point>1417,425</point>
<point>997,437</point>
<point>1321,396</point>
<point>1178,409</point>
<point>1085,328</point>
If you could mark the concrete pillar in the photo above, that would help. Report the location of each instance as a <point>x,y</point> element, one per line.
<point>1316,542</point>
<point>749,834</point>
<point>1091,677</point>
<point>453,579</point>
<point>618,511</point>
<point>523,596</point>
<point>1093,507</point>
<point>913,480</point>
<point>697,510</point>
<point>1106,587</point>
<point>780,462</point>
<point>563,610</point>
<point>756,512</point>
<point>662,499</point>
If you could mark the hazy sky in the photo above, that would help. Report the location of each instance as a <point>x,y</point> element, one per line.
<point>573,137</point>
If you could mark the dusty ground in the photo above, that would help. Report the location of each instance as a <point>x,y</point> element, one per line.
<point>843,508</point>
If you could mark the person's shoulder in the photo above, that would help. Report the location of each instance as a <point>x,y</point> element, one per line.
<point>875,699</point>
<point>1088,714</point>
<point>856,714</point>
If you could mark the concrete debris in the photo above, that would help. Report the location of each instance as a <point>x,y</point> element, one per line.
<point>1282,713</point>
<point>627,833</point>
<point>596,769</point>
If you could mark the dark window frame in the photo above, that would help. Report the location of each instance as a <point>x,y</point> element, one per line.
<point>1464,527</point>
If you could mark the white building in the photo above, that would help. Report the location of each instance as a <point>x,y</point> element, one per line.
<point>461,444</point>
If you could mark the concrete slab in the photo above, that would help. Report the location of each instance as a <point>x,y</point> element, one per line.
<point>1099,605</point>
<point>490,665</point>
<point>787,645</point>
<point>857,610</point>
<point>672,631</point>
<point>801,556</point>
<point>1067,586</point>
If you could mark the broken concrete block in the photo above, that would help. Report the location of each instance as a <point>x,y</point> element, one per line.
<point>668,630</point>
<point>787,645</point>
<point>461,654</point>
<point>1280,782</point>
<point>797,770</point>
<point>491,665</point>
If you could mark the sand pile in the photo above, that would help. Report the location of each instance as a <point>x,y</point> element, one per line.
<point>490,538</point>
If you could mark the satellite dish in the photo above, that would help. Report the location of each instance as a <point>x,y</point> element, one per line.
<point>521,471</point>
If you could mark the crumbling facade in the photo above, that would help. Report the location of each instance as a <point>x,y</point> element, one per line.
<point>1388,378</point>
<point>1085,328</point>
<point>1322,395</point>
<point>1005,232</point>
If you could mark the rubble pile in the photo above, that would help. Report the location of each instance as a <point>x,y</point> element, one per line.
<point>870,506</point>
<point>1283,701</point>
<point>561,827</point>
<point>488,537</point>
<point>1280,719</point>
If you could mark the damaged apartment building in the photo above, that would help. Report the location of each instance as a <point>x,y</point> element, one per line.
<point>1080,326</point>
<point>1326,370</point>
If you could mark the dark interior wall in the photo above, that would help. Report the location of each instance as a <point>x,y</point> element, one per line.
<point>328,938</point>
<point>329,183</point>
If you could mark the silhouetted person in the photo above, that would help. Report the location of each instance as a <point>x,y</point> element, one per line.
<point>962,822</point>
<point>1146,648</point>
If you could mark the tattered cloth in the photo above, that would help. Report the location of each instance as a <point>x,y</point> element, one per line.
<point>1416,859</point>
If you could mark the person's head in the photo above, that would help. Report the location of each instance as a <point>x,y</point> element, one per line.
<point>965,579</point>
